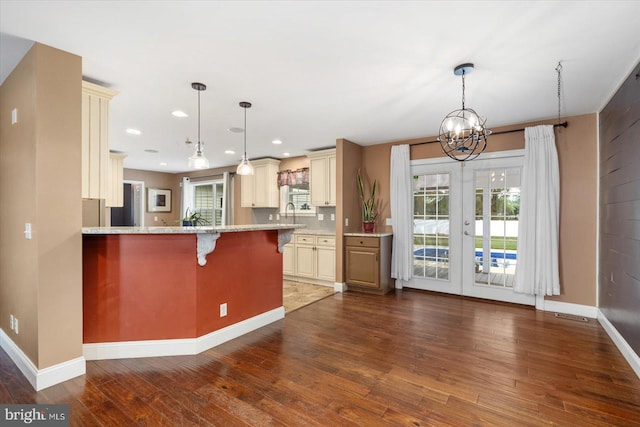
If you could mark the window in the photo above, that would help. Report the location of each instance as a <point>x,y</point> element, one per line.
<point>299,195</point>
<point>207,198</point>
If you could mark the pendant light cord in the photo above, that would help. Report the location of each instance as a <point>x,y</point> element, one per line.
<point>245,132</point>
<point>199,146</point>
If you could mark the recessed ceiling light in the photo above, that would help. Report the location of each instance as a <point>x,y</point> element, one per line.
<point>132,131</point>
<point>179,113</point>
<point>276,141</point>
<point>150,150</point>
<point>286,154</point>
<point>163,164</point>
<point>229,152</point>
<point>235,130</point>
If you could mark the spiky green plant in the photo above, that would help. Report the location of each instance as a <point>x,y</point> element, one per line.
<point>369,213</point>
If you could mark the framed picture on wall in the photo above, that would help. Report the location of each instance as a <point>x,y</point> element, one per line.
<point>158,200</point>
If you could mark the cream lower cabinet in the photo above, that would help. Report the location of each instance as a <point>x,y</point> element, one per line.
<point>314,259</point>
<point>288,257</point>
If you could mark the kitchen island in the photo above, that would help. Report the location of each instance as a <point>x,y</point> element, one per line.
<point>158,291</point>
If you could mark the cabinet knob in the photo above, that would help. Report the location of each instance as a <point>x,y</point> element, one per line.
<point>361,242</point>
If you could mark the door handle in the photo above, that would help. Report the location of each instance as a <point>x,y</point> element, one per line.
<point>466,233</point>
<point>467,222</point>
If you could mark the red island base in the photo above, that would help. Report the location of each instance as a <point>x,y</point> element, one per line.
<point>145,294</point>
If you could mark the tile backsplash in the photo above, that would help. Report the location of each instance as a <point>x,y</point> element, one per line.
<point>261,216</point>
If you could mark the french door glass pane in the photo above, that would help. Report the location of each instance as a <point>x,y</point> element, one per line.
<point>431,219</point>
<point>497,210</point>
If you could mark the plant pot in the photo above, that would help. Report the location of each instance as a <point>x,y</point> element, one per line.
<point>187,223</point>
<point>368,226</point>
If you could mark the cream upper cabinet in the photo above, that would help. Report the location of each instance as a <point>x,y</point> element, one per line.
<point>260,190</point>
<point>322,177</point>
<point>95,140</point>
<point>115,190</point>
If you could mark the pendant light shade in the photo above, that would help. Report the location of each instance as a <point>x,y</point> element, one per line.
<point>245,168</point>
<point>198,160</point>
<point>463,135</point>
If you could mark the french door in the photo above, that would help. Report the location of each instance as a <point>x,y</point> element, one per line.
<point>465,227</point>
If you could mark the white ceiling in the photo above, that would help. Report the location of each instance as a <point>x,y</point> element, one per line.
<point>315,71</point>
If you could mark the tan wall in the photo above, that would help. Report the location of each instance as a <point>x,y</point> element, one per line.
<point>166,181</point>
<point>41,278</point>
<point>349,160</point>
<point>577,154</point>
<point>293,163</point>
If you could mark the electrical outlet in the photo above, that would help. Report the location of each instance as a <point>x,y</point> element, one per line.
<point>15,325</point>
<point>346,222</point>
<point>333,217</point>
<point>270,217</point>
<point>155,218</point>
<point>14,116</point>
<point>27,231</point>
<point>320,217</point>
<point>11,322</point>
<point>277,217</point>
<point>223,309</point>
<point>389,221</point>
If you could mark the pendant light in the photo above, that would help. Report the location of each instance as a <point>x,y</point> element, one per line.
<point>463,135</point>
<point>245,168</point>
<point>198,160</point>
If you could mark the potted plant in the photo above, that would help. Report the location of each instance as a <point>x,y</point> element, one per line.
<point>194,218</point>
<point>369,213</point>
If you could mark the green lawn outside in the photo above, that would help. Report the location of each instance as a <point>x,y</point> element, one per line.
<point>510,244</point>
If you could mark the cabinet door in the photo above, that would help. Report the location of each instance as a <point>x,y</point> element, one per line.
<point>331,180</point>
<point>246,191</point>
<point>288,266</point>
<point>362,267</point>
<point>260,186</point>
<point>318,181</point>
<point>326,263</point>
<point>305,261</point>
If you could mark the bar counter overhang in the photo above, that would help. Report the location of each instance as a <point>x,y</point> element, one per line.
<point>157,291</point>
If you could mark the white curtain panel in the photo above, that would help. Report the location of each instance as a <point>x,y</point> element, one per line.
<point>537,271</point>
<point>401,214</point>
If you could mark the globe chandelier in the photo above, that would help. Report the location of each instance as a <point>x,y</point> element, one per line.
<point>463,135</point>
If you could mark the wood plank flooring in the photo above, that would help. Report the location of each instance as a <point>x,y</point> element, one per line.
<point>409,358</point>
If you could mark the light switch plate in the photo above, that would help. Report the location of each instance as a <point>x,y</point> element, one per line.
<point>14,116</point>
<point>389,221</point>
<point>320,217</point>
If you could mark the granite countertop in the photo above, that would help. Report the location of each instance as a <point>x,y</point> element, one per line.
<point>189,230</point>
<point>368,234</point>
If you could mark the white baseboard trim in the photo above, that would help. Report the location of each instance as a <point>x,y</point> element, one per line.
<point>340,287</point>
<point>568,308</point>
<point>632,358</point>
<point>42,378</point>
<point>178,347</point>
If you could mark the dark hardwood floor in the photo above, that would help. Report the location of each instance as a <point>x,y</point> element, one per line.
<point>411,358</point>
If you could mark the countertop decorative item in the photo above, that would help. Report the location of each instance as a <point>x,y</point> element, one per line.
<point>194,218</point>
<point>369,213</point>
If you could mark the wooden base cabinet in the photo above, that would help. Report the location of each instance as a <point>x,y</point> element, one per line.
<point>368,263</point>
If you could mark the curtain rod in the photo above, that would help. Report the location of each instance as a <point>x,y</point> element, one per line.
<point>563,124</point>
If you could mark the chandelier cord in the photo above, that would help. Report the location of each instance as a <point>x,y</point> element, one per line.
<point>463,89</point>
<point>559,70</point>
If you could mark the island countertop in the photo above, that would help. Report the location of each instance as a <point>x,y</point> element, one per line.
<point>190,230</point>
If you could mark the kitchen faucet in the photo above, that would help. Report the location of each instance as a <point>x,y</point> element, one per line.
<point>286,209</point>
